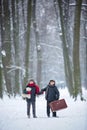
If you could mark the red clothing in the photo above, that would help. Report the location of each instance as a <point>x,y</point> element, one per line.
<point>34,85</point>
<point>37,89</point>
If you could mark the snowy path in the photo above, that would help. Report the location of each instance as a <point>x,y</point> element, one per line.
<point>13,115</point>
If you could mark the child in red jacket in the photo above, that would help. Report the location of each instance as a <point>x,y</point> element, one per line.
<point>31,90</point>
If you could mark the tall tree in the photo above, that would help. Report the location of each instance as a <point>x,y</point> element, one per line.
<point>84,22</point>
<point>1,87</point>
<point>15,22</point>
<point>29,14</point>
<point>6,43</point>
<point>76,50</point>
<point>38,47</point>
<point>65,44</point>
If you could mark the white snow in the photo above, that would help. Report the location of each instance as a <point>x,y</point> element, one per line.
<point>13,114</point>
<point>3,52</point>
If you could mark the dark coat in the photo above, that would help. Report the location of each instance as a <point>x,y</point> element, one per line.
<point>51,92</point>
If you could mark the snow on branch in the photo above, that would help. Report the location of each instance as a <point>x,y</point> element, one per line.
<point>56,47</point>
<point>84,38</point>
<point>1,65</point>
<point>21,34</point>
<point>3,52</point>
<point>74,4</point>
<point>13,68</point>
<point>84,5</point>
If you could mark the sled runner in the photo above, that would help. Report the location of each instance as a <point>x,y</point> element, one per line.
<point>58,105</point>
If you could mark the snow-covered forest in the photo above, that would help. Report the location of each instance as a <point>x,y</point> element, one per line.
<point>43,40</point>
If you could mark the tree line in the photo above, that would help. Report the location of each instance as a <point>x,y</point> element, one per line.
<point>18,22</point>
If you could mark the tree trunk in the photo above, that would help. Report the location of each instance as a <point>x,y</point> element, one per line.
<point>85,41</point>
<point>67,63</point>
<point>6,43</point>
<point>86,68</point>
<point>76,45</point>
<point>38,47</point>
<point>29,14</point>
<point>15,20</point>
<point>1,80</point>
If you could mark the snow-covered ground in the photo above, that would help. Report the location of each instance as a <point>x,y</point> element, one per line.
<point>13,115</point>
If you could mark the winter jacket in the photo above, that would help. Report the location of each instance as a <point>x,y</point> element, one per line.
<point>32,90</point>
<point>51,93</point>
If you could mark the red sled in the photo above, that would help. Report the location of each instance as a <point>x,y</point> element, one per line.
<point>58,105</point>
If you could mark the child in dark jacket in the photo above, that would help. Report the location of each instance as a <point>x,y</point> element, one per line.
<point>31,91</point>
<point>51,94</point>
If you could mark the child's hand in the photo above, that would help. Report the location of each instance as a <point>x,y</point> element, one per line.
<point>42,92</point>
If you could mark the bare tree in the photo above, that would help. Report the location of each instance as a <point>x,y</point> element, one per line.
<point>1,87</point>
<point>38,47</point>
<point>76,56</point>
<point>29,14</point>
<point>65,45</point>
<point>15,21</point>
<point>84,37</point>
<point>6,42</point>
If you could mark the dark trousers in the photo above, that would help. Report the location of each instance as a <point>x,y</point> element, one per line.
<point>48,110</point>
<point>29,103</point>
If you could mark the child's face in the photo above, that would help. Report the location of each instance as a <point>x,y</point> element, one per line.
<point>52,83</point>
<point>31,82</point>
